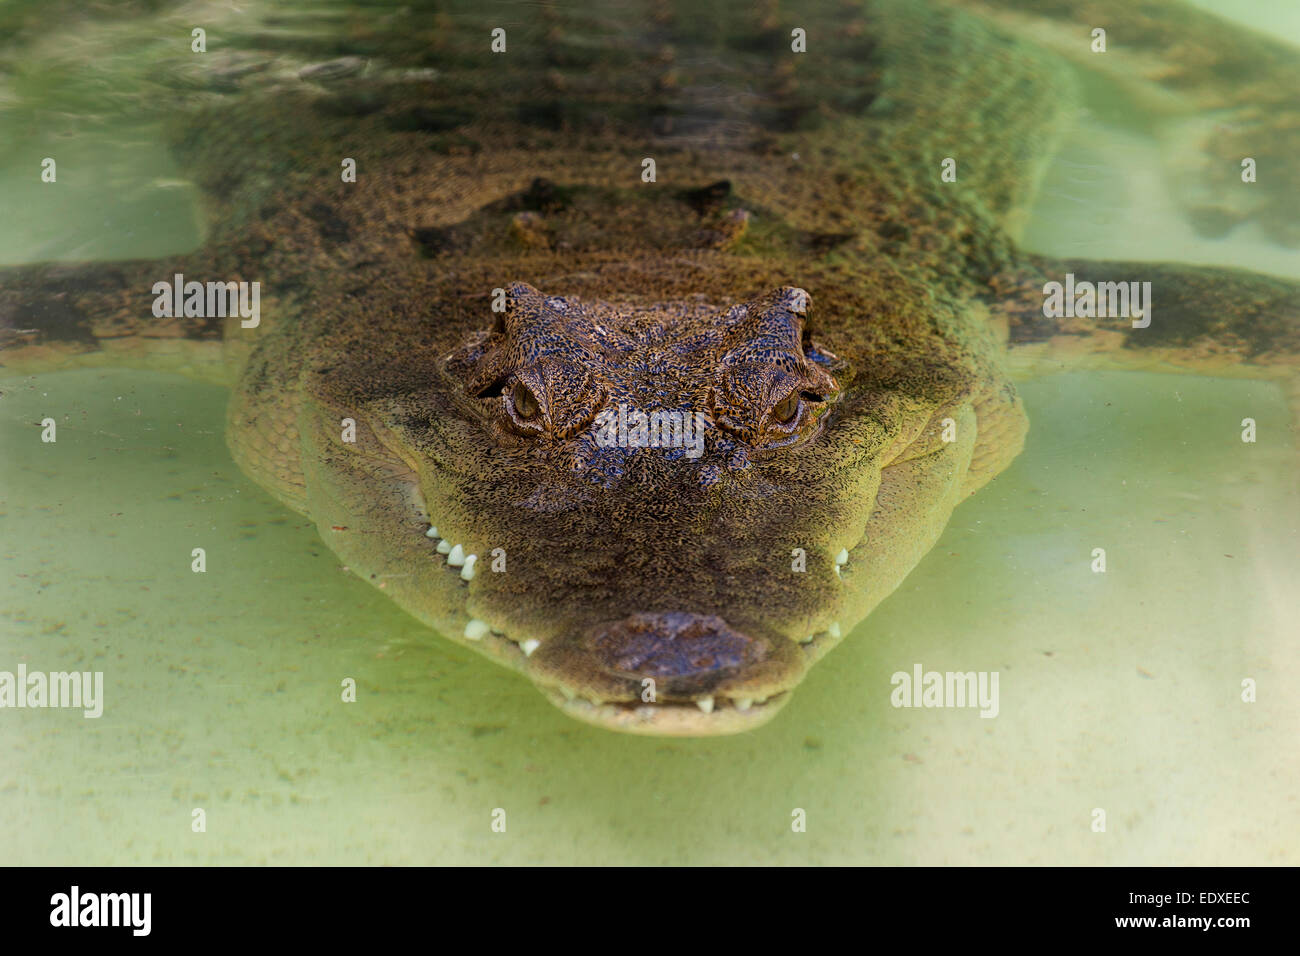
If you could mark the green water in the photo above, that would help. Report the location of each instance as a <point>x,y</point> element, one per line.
<point>1119,691</point>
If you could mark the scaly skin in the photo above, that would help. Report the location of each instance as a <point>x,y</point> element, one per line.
<point>798,275</point>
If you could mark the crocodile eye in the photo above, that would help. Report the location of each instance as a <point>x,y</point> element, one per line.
<point>525,401</point>
<point>787,408</point>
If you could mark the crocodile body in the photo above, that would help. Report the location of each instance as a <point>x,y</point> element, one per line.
<point>447,344</point>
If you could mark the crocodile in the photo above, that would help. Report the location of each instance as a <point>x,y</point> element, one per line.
<point>649,352</point>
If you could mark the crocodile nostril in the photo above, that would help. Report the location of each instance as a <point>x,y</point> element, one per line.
<point>687,650</point>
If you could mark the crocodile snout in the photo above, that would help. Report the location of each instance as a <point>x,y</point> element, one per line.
<point>684,653</point>
<point>670,673</point>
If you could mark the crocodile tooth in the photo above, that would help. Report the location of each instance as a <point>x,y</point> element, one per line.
<point>567,692</point>
<point>529,646</point>
<point>705,704</point>
<point>595,701</point>
<point>842,557</point>
<point>444,546</point>
<point>834,630</point>
<point>807,640</point>
<point>467,572</point>
<point>476,629</point>
<point>744,703</point>
<point>457,556</point>
<point>432,532</point>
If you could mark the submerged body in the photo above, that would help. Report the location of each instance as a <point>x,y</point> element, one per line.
<point>444,342</point>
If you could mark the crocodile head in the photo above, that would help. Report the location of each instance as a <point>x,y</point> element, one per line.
<point>662,514</point>
<point>661,486</point>
<point>658,500</point>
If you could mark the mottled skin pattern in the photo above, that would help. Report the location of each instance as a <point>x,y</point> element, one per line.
<point>552,364</point>
<point>798,274</point>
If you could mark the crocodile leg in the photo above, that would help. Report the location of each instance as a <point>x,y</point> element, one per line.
<point>1201,320</point>
<point>57,316</point>
<point>1216,94</point>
